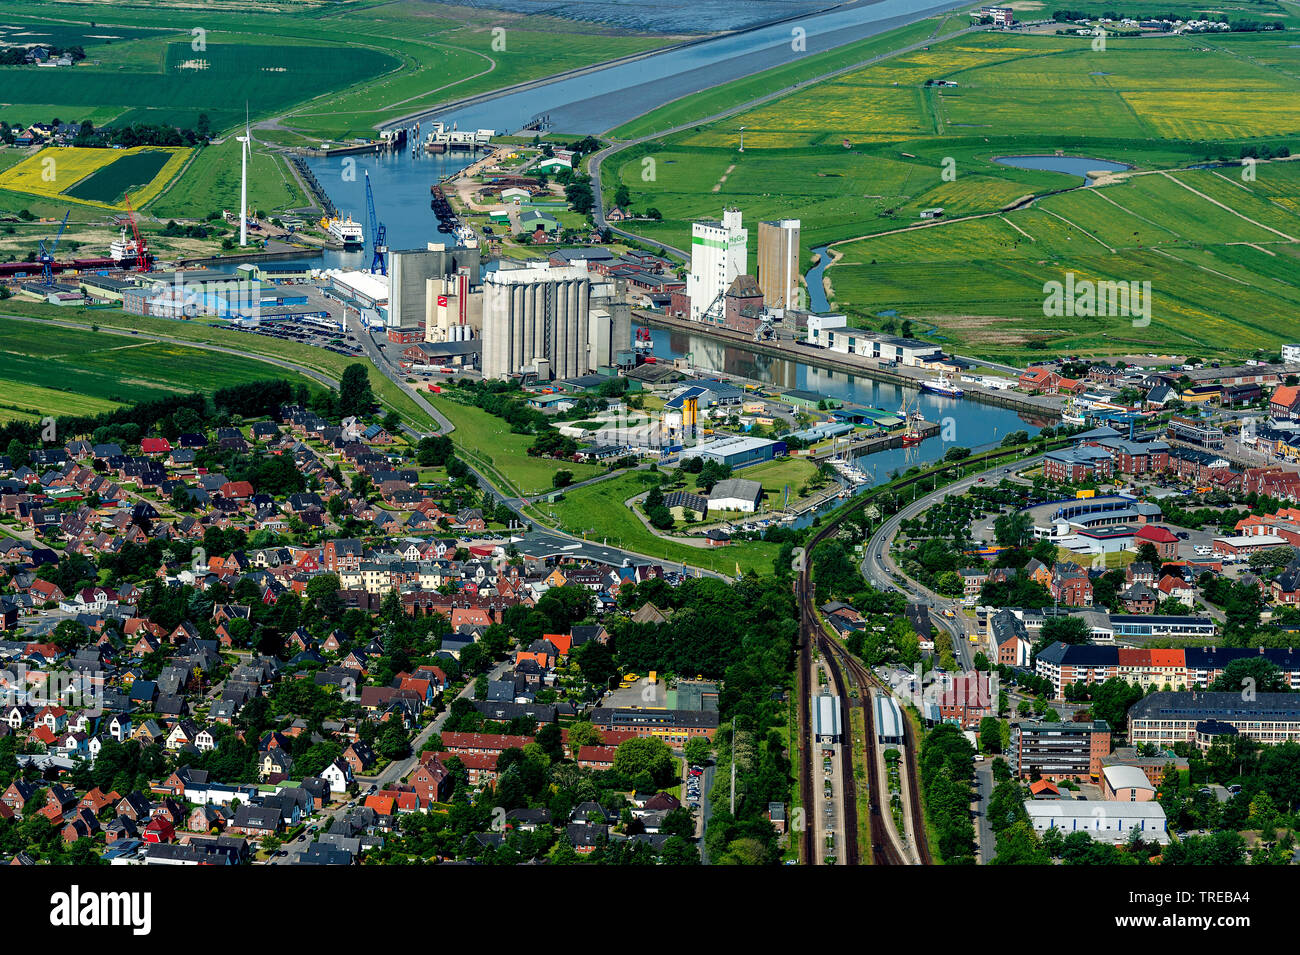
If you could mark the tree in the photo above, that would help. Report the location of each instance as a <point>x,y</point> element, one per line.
<point>392,741</point>
<point>565,606</point>
<point>1018,844</point>
<point>434,451</point>
<point>1147,552</point>
<point>990,735</point>
<point>355,395</point>
<point>1254,673</point>
<point>583,733</point>
<point>698,750</point>
<point>1072,630</point>
<point>1014,529</point>
<point>645,755</point>
<point>562,478</point>
<point>596,662</point>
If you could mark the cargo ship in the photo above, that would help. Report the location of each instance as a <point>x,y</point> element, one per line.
<point>123,249</point>
<point>349,233</point>
<point>943,385</point>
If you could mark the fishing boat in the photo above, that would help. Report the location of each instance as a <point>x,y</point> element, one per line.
<point>910,435</point>
<point>943,385</point>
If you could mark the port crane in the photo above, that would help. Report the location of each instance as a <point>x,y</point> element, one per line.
<point>141,253</point>
<point>46,256</point>
<point>378,232</point>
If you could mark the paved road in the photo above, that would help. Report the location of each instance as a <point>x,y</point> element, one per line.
<point>394,772</point>
<point>879,568</point>
<point>596,159</point>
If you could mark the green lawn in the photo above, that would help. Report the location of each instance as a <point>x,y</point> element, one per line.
<point>487,440</point>
<point>776,475</point>
<point>598,512</point>
<point>110,370</point>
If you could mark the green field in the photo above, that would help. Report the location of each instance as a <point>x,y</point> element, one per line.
<point>858,156</point>
<point>110,183</point>
<point>183,83</point>
<point>317,359</point>
<point>311,73</point>
<point>211,183</point>
<point>32,402</point>
<point>487,441</point>
<point>110,369</point>
<point>598,513</point>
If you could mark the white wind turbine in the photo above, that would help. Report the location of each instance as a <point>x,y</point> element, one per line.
<point>244,147</point>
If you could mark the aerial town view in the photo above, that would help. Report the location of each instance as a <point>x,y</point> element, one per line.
<point>597,433</point>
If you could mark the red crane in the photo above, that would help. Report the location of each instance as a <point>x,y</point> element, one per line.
<point>141,253</point>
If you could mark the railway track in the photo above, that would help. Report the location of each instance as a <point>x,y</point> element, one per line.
<point>811,633</point>
<point>883,849</point>
<point>806,856</point>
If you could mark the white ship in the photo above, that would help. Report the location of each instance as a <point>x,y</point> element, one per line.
<point>123,248</point>
<point>345,231</point>
<point>943,385</point>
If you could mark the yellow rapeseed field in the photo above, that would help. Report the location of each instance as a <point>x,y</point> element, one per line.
<point>53,170</point>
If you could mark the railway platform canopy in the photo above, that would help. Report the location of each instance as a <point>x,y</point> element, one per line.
<point>827,726</point>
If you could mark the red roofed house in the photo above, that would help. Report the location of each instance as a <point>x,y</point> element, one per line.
<point>563,642</point>
<point>596,757</point>
<point>385,807</point>
<point>160,829</point>
<point>236,490</point>
<point>45,590</point>
<point>431,781</point>
<point>155,446</point>
<point>1285,401</point>
<point>462,744</point>
<point>470,616</point>
<point>1163,539</point>
<point>482,767</point>
<point>1035,380</point>
<point>1174,586</point>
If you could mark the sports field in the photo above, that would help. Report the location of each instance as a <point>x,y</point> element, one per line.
<point>858,157</point>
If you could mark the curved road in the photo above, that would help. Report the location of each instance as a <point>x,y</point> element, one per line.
<point>597,158</point>
<point>880,570</point>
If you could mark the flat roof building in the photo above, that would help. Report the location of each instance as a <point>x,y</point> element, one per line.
<point>1104,820</point>
<point>736,452</point>
<point>1059,750</point>
<point>1167,718</point>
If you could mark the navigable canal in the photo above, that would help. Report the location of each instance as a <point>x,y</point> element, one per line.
<point>401,183</point>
